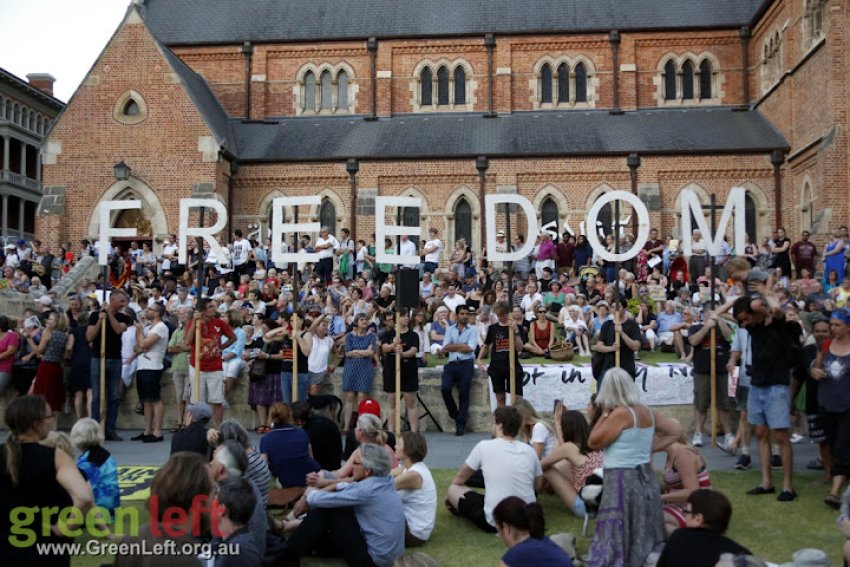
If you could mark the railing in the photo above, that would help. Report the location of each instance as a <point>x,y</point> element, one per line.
<point>20,180</point>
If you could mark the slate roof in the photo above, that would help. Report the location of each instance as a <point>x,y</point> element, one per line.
<point>28,90</point>
<point>718,130</point>
<point>194,22</point>
<point>200,93</point>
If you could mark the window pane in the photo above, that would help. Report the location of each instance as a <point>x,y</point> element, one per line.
<point>688,80</point>
<point>442,86</point>
<point>605,220</point>
<point>327,216</point>
<point>563,83</point>
<point>131,108</point>
<point>670,80</point>
<point>342,90</point>
<point>549,213</point>
<point>410,217</point>
<point>581,83</point>
<point>327,90</point>
<point>546,84</point>
<point>750,214</point>
<point>426,87</point>
<point>460,85</point>
<point>309,91</point>
<point>463,220</point>
<point>705,79</point>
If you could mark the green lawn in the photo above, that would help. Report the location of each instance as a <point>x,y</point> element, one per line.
<point>770,529</point>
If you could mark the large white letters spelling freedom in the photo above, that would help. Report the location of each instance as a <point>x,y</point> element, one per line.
<point>690,203</point>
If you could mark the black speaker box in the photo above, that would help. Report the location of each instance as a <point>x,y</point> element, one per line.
<point>407,286</point>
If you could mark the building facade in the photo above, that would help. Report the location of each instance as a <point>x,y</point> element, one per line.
<point>27,111</point>
<point>350,100</point>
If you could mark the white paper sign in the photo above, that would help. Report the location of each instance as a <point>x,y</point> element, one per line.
<point>382,230</point>
<point>279,228</point>
<point>207,233</point>
<point>107,232</point>
<point>691,205</point>
<point>666,385</point>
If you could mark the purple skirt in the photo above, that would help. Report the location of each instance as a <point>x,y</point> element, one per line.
<point>265,392</point>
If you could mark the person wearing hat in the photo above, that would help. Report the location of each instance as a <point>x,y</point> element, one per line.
<point>12,259</point>
<point>365,518</point>
<point>192,436</point>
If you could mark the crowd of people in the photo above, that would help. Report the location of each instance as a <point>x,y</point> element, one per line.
<point>780,338</point>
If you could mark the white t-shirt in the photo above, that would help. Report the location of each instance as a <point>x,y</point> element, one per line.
<point>168,250</point>
<point>329,251</point>
<point>408,248</point>
<point>438,249</point>
<point>542,434</point>
<point>526,303</point>
<point>510,469</point>
<point>152,359</point>
<point>453,302</point>
<point>317,360</point>
<point>420,505</point>
<point>241,248</point>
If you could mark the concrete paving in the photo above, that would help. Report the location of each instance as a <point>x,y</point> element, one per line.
<point>445,451</point>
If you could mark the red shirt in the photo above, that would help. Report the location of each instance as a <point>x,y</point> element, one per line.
<point>211,333</point>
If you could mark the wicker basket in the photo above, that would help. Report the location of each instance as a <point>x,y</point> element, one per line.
<point>562,351</point>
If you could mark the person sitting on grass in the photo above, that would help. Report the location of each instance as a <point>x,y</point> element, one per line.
<point>193,436</point>
<point>416,487</point>
<point>534,430</point>
<point>258,470</point>
<point>576,331</point>
<point>571,461</point>
<point>510,468</point>
<point>684,472</point>
<point>362,521</point>
<point>521,527</point>
<point>97,464</point>
<point>287,449</point>
<point>701,543</point>
<point>233,507</point>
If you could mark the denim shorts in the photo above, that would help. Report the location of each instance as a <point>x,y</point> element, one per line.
<point>770,406</point>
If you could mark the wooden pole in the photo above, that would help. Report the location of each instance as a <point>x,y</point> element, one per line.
<point>511,357</point>
<point>397,373</point>
<point>294,357</point>
<point>200,288</point>
<point>103,394</point>
<point>617,339</point>
<point>198,358</point>
<point>713,343</point>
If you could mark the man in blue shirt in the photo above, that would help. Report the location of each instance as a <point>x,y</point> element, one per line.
<point>459,342</point>
<point>363,521</point>
<point>669,325</point>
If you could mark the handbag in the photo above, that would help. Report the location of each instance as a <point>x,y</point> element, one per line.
<point>258,367</point>
<point>562,351</point>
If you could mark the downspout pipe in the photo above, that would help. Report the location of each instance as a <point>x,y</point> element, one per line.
<point>777,158</point>
<point>372,48</point>
<point>614,40</point>
<point>490,44</point>
<point>248,52</point>
<point>745,35</point>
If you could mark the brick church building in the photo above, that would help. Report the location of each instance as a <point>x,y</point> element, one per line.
<point>247,101</point>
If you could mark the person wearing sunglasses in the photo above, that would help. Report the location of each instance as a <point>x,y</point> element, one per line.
<point>701,542</point>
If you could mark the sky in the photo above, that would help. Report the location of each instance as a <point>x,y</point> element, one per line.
<point>60,37</point>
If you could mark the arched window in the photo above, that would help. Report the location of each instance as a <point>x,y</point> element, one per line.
<point>549,213</point>
<point>670,80</point>
<point>327,215</point>
<point>604,220</point>
<point>410,217</point>
<point>750,216</point>
<point>442,86</point>
<point>563,83</point>
<point>705,79</point>
<point>131,108</point>
<point>546,84</point>
<point>460,85</point>
<point>688,80</point>
<point>17,114</point>
<point>327,90</point>
<point>309,91</point>
<point>425,80</point>
<point>581,83</point>
<point>463,220</point>
<point>342,90</point>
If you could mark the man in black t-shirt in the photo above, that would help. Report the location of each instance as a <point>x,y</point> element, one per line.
<point>116,324</point>
<point>323,433</point>
<point>605,357</point>
<point>405,344</point>
<point>498,341</point>
<point>699,336</point>
<point>774,343</point>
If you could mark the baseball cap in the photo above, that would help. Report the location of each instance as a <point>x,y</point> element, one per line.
<point>45,300</point>
<point>21,242</point>
<point>200,411</point>
<point>369,406</point>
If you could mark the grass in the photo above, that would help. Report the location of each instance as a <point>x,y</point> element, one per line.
<point>770,529</point>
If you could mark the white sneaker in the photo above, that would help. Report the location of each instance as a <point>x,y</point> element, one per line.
<point>697,440</point>
<point>797,438</point>
<point>727,445</point>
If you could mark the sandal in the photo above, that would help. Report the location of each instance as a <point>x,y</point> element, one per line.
<point>832,501</point>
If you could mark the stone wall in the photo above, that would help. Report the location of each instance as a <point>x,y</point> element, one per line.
<point>13,303</point>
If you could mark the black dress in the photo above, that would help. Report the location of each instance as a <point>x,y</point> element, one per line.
<point>38,488</point>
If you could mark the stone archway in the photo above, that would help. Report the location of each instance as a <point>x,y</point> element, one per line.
<point>151,210</point>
